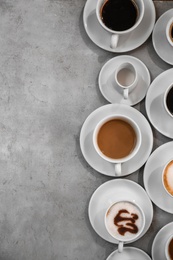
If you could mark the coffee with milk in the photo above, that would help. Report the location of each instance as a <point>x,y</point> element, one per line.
<point>168,177</point>
<point>124,220</point>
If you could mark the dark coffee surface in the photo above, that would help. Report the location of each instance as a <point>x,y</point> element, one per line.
<point>169,100</point>
<point>170,249</point>
<point>172,32</point>
<point>116,139</point>
<point>119,15</point>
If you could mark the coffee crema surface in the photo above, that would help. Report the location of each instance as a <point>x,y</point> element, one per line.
<point>124,220</point>
<point>168,177</point>
<point>119,15</point>
<point>170,249</point>
<point>116,139</point>
<point>171,32</point>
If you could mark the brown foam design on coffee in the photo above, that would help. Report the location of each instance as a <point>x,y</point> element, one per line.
<point>168,177</point>
<point>124,220</point>
<point>116,139</point>
<point>130,222</point>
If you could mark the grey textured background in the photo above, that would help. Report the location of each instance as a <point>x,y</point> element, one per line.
<point>48,86</point>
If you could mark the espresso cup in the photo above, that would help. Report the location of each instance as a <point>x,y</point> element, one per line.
<point>126,78</point>
<point>167,177</point>
<point>117,139</point>
<point>169,31</point>
<point>124,221</point>
<point>114,17</point>
<point>169,248</point>
<point>168,100</point>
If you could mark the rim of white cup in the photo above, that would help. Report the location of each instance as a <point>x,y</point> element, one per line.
<point>167,31</point>
<point>119,32</point>
<point>135,127</point>
<point>164,99</point>
<point>143,217</point>
<point>163,177</point>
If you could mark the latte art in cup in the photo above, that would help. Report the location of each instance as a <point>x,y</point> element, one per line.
<point>168,177</point>
<point>124,221</point>
<point>169,31</point>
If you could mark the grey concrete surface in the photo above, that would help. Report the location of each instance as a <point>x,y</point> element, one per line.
<point>48,86</point>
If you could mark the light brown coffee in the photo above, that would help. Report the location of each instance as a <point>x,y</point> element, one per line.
<point>116,139</point>
<point>168,177</point>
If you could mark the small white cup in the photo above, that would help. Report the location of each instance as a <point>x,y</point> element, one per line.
<point>167,248</point>
<point>166,178</point>
<point>116,34</point>
<point>169,27</point>
<point>120,238</point>
<point>117,162</point>
<point>165,98</point>
<point>126,78</point>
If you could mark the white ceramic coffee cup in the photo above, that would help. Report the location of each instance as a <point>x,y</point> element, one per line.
<point>164,99</point>
<point>168,28</point>
<point>116,34</point>
<point>121,239</point>
<point>167,248</point>
<point>126,78</point>
<point>169,179</point>
<point>118,162</point>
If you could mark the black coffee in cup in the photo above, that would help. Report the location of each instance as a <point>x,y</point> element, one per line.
<point>169,100</point>
<point>119,15</point>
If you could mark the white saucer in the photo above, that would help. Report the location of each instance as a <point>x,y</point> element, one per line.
<point>128,254</point>
<point>110,192</point>
<point>153,177</point>
<point>111,91</point>
<point>158,247</point>
<point>160,42</point>
<point>129,42</point>
<point>88,150</point>
<point>154,103</point>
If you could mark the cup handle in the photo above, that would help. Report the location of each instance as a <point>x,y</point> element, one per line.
<point>114,40</point>
<point>118,169</point>
<point>120,247</point>
<point>126,93</point>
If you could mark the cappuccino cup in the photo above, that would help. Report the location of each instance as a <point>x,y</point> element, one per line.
<point>168,100</point>
<point>124,221</point>
<point>126,78</point>
<point>167,177</point>
<point>169,31</point>
<point>117,139</point>
<point>169,248</point>
<point>119,17</point>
